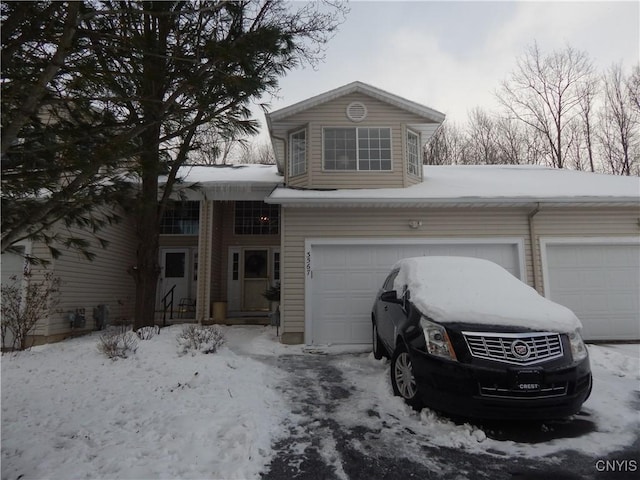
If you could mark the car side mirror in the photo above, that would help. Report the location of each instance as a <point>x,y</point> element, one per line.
<point>391,297</point>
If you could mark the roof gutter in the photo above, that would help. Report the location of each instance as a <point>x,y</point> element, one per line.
<point>418,202</point>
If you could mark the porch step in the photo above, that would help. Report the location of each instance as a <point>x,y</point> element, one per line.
<point>245,321</point>
<point>177,318</point>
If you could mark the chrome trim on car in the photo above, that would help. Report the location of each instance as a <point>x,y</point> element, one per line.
<point>515,348</point>
<point>544,392</point>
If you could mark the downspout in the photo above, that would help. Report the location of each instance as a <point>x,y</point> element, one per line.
<point>203,286</point>
<point>279,161</point>
<point>535,250</point>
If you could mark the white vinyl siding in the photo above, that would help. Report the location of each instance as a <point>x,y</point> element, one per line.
<point>298,153</point>
<point>413,154</point>
<point>332,115</point>
<point>381,223</point>
<point>105,280</point>
<point>362,148</point>
<point>456,223</point>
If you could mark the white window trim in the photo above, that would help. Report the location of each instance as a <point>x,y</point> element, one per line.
<point>357,169</point>
<point>418,173</point>
<point>304,170</point>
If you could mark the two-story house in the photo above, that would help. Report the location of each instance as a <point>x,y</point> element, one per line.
<point>349,197</point>
<point>353,197</point>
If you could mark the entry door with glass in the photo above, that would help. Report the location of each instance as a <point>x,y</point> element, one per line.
<point>255,279</point>
<point>175,271</point>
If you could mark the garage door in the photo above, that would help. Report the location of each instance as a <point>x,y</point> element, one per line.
<point>345,279</point>
<point>600,283</point>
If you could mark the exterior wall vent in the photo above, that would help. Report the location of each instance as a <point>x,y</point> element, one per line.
<point>356,111</point>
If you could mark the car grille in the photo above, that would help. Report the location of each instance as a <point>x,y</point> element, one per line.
<point>514,348</point>
<point>546,391</point>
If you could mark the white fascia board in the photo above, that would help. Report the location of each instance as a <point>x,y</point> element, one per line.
<point>225,192</point>
<point>418,202</point>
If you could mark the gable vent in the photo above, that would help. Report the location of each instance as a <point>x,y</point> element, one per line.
<point>356,111</point>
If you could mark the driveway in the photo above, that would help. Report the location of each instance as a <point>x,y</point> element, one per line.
<point>346,424</point>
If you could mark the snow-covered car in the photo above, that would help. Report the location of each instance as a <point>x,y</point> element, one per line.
<point>467,338</point>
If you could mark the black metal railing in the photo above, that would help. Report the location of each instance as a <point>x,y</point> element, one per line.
<point>167,304</point>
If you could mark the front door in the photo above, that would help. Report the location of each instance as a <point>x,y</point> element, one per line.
<point>256,279</point>
<point>175,263</point>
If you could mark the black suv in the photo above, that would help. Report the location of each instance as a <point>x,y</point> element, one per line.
<point>467,338</point>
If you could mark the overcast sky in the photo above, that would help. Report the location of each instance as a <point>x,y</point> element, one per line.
<point>451,56</point>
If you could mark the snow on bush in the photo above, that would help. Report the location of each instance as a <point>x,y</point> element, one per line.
<point>194,338</point>
<point>147,333</point>
<point>118,344</point>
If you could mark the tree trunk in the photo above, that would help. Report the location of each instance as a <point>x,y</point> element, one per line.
<point>152,91</point>
<point>147,269</point>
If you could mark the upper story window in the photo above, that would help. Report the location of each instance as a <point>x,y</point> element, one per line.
<point>362,148</point>
<point>413,154</point>
<point>256,218</point>
<point>298,153</point>
<point>181,218</point>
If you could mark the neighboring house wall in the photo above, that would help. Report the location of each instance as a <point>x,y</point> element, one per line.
<point>303,223</point>
<point>87,284</point>
<point>332,114</point>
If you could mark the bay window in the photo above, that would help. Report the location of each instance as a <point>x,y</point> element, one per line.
<point>298,153</point>
<point>413,154</point>
<point>361,149</point>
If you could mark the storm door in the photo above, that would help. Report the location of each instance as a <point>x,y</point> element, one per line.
<point>256,279</point>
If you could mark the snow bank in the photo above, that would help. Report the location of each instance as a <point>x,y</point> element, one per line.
<point>473,290</point>
<point>69,412</point>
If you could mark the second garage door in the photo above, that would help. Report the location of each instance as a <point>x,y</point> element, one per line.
<point>600,282</point>
<point>345,278</point>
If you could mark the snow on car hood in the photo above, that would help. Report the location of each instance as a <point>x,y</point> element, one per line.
<point>472,290</point>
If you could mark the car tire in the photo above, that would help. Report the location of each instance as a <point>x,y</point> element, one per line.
<point>378,347</point>
<point>403,379</point>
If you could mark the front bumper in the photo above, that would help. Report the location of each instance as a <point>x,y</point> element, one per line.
<point>490,390</point>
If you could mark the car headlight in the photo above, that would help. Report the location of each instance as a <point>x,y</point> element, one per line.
<point>578,348</point>
<point>438,343</point>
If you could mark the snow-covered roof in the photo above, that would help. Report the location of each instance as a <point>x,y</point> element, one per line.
<point>217,174</point>
<point>480,184</point>
<point>451,184</point>
<point>477,291</point>
<point>227,182</point>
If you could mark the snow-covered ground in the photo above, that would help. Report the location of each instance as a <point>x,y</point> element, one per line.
<point>69,412</point>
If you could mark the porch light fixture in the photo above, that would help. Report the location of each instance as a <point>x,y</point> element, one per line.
<point>415,224</point>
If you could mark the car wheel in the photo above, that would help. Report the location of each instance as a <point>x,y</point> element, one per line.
<point>378,348</point>
<point>402,378</point>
